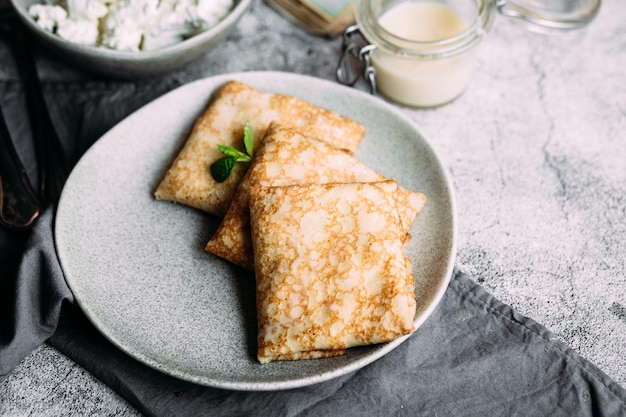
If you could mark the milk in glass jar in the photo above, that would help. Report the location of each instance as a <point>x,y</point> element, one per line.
<point>420,53</point>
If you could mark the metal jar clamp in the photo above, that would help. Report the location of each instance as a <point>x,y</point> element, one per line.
<point>356,52</point>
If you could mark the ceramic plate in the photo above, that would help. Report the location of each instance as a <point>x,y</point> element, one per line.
<point>137,266</point>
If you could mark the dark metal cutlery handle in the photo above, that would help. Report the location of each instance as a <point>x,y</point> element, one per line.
<point>19,206</point>
<point>52,162</point>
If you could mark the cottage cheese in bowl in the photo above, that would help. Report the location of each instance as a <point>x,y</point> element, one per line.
<point>129,25</point>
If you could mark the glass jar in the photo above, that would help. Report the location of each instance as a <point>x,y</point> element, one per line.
<point>420,53</point>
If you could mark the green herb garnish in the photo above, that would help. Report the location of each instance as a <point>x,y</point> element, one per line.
<point>248,139</point>
<point>221,169</point>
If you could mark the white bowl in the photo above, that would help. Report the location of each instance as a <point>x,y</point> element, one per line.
<point>122,64</point>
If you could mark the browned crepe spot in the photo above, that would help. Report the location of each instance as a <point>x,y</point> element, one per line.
<point>188,180</point>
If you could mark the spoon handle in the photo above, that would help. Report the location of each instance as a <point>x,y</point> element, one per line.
<point>19,206</point>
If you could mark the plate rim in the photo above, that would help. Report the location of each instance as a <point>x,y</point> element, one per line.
<point>240,385</point>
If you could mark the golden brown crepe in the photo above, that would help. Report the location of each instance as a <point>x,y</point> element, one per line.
<point>288,157</point>
<point>330,268</point>
<point>188,181</point>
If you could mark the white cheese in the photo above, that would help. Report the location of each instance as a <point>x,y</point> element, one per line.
<point>78,31</point>
<point>129,25</point>
<point>48,17</point>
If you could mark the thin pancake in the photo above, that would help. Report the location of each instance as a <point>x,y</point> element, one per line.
<point>288,157</point>
<point>330,268</point>
<point>188,180</point>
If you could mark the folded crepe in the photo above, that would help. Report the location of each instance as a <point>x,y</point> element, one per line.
<point>330,269</point>
<point>289,157</point>
<point>188,181</point>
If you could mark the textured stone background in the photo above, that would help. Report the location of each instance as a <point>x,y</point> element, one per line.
<point>536,149</point>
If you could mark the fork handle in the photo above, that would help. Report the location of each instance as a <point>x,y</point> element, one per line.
<point>19,206</point>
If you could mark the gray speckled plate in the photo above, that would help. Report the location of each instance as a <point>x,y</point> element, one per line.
<point>138,269</point>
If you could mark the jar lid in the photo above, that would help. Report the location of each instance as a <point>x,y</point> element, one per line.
<point>547,16</point>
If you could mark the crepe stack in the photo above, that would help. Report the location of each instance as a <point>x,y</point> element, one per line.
<point>323,233</point>
<point>188,181</point>
<point>288,157</point>
<point>330,269</point>
<point>325,237</point>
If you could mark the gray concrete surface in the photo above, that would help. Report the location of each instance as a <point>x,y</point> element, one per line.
<point>536,149</point>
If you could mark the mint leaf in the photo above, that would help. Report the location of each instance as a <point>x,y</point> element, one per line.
<point>235,153</point>
<point>220,169</point>
<point>248,138</point>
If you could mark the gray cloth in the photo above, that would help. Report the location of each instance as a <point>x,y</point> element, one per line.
<point>32,297</point>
